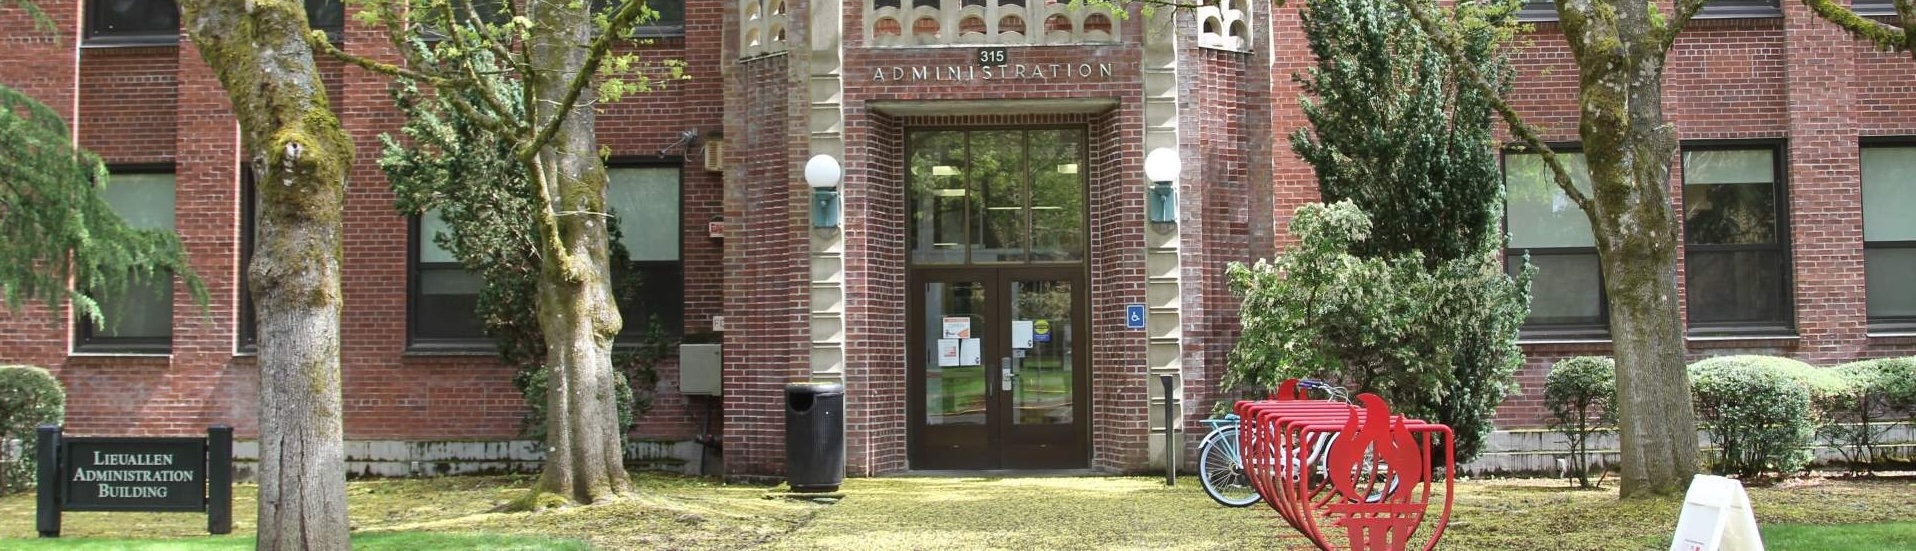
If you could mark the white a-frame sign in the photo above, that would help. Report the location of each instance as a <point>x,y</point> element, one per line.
<point>1716,517</point>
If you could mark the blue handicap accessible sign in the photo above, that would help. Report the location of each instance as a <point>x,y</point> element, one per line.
<point>1134,316</point>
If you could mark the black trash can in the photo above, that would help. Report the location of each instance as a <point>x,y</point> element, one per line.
<point>815,436</point>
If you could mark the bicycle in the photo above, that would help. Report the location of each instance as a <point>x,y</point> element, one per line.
<point>1221,465</point>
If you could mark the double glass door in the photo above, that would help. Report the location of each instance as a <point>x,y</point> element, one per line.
<point>997,342</point>
<point>1000,375</point>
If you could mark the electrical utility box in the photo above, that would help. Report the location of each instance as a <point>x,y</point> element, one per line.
<point>699,369</point>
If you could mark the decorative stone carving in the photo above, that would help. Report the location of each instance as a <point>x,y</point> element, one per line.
<point>907,23</point>
<point>1225,24</point>
<point>763,23</point>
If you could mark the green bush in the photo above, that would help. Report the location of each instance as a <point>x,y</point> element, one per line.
<point>1436,343</point>
<point>1758,411</point>
<point>1581,394</point>
<point>1877,390</point>
<point>29,397</point>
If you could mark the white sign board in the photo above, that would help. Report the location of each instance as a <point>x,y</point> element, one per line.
<point>1021,333</point>
<point>957,327</point>
<point>1716,517</point>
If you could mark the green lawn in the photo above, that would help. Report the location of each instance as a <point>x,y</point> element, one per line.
<point>1889,536</point>
<point>1085,512</point>
<point>366,542</point>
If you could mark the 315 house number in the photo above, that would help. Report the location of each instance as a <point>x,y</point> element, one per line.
<point>992,57</point>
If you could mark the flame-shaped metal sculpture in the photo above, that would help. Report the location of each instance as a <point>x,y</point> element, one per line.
<point>1356,466</point>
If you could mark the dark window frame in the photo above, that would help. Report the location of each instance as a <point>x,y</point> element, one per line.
<point>95,33</point>
<point>673,322</point>
<point>334,32</point>
<point>1538,11</point>
<point>1740,9</point>
<point>1886,324</point>
<point>415,274</point>
<point>85,337</point>
<point>246,336</point>
<point>1546,331</point>
<point>1874,8</point>
<point>1779,159</point>
<point>662,28</point>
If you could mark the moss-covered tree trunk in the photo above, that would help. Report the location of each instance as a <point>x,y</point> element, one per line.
<point>300,158</point>
<point>1629,146</point>
<point>576,308</point>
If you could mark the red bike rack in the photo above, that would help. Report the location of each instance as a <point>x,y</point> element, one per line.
<point>1351,466</point>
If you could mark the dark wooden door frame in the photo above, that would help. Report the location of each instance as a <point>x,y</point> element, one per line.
<point>999,443</point>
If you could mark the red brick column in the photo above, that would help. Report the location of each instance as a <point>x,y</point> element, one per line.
<point>1825,190</point>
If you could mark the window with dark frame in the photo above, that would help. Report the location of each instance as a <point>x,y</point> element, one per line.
<point>132,21</point>
<point>647,201</point>
<point>670,20</point>
<point>1889,235</point>
<point>1734,9</point>
<point>327,15</point>
<point>445,296</point>
<point>1735,234</point>
<point>1874,8</point>
<point>139,319</point>
<point>158,21</point>
<point>1567,298</point>
<point>1537,10</point>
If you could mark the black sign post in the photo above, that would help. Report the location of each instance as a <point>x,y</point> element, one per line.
<point>136,474</point>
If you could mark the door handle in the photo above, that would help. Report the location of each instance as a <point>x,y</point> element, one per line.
<point>1004,381</point>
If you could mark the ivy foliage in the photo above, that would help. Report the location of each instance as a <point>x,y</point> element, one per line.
<point>29,397</point>
<point>1581,394</point>
<point>1396,287</point>
<point>1385,325</point>
<point>450,165</point>
<point>59,238</point>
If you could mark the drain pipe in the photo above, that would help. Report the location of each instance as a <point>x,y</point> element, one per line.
<point>1170,433</point>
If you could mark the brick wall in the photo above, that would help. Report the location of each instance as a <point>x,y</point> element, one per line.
<point>162,104</point>
<point>1796,79</point>
<point>767,269</point>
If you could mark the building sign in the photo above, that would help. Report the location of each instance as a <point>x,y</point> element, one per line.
<point>1007,71</point>
<point>135,474</point>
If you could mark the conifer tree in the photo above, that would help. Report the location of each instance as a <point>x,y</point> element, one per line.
<point>59,239</point>
<point>1395,132</point>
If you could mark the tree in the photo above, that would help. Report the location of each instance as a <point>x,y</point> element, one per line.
<point>556,52</point>
<point>1899,37</point>
<point>300,158</point>
<point>59,239</point>
<point>1395,132</point>
<point>468,177</point>
<point>1619,47</point>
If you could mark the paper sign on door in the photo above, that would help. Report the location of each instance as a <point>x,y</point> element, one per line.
<point>968,353</point>
<point>957,327</point>
<point>1021,333</point>
<point>948,353</point>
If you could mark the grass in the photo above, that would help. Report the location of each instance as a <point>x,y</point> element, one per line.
<point>1853,537</point>
<point>986,513</point>
<point>363,542</point>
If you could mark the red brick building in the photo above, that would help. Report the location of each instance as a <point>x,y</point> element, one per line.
<point>994,225</point>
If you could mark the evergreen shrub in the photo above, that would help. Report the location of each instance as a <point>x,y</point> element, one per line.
<point>1581,395</point>
<point>29,397</point>
<point>1757,409</point>
<point>1878,390</point>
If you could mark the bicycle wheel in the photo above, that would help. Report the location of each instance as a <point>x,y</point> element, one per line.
<point>1222,471</point>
